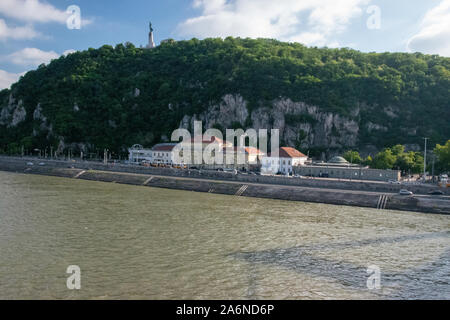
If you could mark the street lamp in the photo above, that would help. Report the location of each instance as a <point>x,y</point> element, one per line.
<point>425,160</point>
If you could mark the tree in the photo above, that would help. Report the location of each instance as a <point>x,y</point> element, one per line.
<point>404,162</point>
<point>384,160</point>
<point>398,150</point>
<point>443,157</point>
<point>367,161</point>
<point>418,163</point>
<point>352,156</point>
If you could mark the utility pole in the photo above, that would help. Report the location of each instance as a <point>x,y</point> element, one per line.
<point>105,156</point>
<point>432,168</point>
<point>425,160</point>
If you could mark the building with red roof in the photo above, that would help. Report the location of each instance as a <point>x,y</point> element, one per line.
<point>283,161</point>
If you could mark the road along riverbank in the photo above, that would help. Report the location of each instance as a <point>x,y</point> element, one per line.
<point>329,195</point>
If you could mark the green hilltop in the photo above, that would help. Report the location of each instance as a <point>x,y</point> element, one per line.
<point>114,97</point>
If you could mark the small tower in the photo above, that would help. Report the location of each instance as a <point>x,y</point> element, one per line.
<point>151,42</point>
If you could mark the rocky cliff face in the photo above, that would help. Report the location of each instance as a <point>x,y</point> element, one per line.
<point>300,125</point>
<point>13,113</point>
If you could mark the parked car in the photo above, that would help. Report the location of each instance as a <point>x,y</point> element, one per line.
<point>436,193</point>
<point>405,192</point>
<point>394,182</point>
<point>30,163</point>
<point>41,163</point>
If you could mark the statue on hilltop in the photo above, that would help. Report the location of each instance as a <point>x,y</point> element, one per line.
<point>151,42</point>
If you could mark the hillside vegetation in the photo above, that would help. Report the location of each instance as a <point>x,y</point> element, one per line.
<point>113,97</point>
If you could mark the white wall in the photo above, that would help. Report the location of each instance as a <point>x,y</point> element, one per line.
<point>272,165</point>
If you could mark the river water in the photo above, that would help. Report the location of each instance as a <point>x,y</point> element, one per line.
<point>146,243</point>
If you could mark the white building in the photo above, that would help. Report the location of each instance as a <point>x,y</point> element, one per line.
<point>138,154</point>
<point>162,153</point>
<point>283,163</point>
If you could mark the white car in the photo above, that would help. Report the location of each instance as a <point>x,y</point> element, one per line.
<point>405,192</point>
<point>30,163</point>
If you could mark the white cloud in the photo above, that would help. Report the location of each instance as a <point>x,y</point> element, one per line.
<point>32,11</point>
<point>32,57</point>
<point>17,33</point>
<point>313,22</point>
<point>69,51</point>
<point>7,79</point>
<point>434,35</point>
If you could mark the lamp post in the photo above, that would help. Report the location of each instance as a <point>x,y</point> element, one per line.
<point>425,160</point>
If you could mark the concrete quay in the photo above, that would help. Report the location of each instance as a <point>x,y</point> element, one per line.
<point>375,195</point>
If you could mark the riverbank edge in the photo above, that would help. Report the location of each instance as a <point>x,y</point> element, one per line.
<point>379,200</point>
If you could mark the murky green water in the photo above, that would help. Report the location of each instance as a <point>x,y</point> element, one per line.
<point>143,243</point>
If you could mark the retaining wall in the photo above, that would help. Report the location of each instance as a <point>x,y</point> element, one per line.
<point>238,187</point>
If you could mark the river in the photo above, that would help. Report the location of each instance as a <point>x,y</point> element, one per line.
<point>147,243</point>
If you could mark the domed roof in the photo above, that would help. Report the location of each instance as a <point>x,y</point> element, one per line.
<point>338,160</point>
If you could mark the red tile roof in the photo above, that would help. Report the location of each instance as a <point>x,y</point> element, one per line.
<point>163,147</point>
<point>211,140</point>
<point>248,150</point>
<point>288,152</point>
<point>253,150</point>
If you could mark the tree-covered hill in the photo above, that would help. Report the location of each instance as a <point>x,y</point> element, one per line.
<point>113,97</point>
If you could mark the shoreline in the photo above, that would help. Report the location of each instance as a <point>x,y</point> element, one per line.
<point>358,198</point>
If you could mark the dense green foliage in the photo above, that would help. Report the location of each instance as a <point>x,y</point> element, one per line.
<point>352,157</point>
<point>390,158</point>
<point>443,157</point>
<point>185,77</point>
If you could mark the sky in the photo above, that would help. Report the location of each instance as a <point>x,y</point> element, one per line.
<point>33,32</point>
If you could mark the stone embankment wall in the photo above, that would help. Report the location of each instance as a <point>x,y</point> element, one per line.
<point>203,174</point>
<point>239,187</point>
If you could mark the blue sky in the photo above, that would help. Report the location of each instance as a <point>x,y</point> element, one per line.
<point>35,31</point>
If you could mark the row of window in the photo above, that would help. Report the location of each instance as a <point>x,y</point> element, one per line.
<point>279,162</point>
<point>342,173</point>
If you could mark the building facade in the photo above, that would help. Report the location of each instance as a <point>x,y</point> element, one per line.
<point>137,154</point>
<point>163,153</point>
<point>339,168</point>
<point>223,155</point>
<point>284,163</point>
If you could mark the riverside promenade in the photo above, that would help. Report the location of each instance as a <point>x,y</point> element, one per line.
<point>353,193</point>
